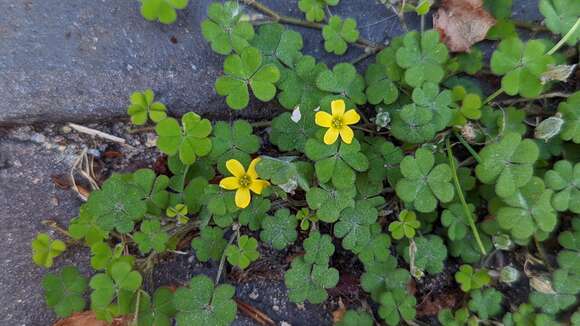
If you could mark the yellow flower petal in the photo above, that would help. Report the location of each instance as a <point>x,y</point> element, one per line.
<point>230,183</point>
<point>337,107</point>
<point>252,168</point>
<point>330,136</point>
<point>243,197</point>
<point>258,185</point>
<point>323,119</point>
<point>350,117</point>
<point>236,168</point>
<point>346,134</point>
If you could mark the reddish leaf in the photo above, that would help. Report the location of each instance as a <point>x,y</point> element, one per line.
<point>462,23</point>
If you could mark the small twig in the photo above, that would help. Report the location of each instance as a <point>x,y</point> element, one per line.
<point>542,254</point>
<point>142,129</point>
<point>97,133</point>
<point>254,313</point>
<point>54,225</point>
<point>530,26</point>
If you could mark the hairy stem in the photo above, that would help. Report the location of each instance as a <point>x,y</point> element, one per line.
<point>462,198</point>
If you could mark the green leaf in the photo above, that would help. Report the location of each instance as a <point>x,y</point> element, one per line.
<point>429,97</point>
<point>486,303</point>
<point>202,303</point>
<point>298,88</point>
<point>508,163</point>
<point>470,279</point>
<point>243,70</point>
<point>253,215</point>
<point>413,124</point>
<point>85,227</point>
<point>190,141</point>
<point>142,107</point>
<point>151,237</point>
<point>159,311</point>
<point>329,201</point>
<point>468,249</point>
<point>382,276</point>
<point>233,141</point>
<point>422,56</point>
<point>447,318</point>
<point>502,30</point>
<point>430,255</point>
<point>314,9</point>
<point>564,179</point>
<point>343,80</point>
<point>561,16</point>
<point>380,85</point>
<point>307,281</point>
<point>356,318</point>
<point>224,29</point>
<point>528,210</point>
<point>242,254</point>
<point>278,44</point>
<point>118,205</point>
<point>354,225</point>
<point>279,231</point>
<point>405,226</point>
<point>45,249</point>
<point>338,33</point>
<point>162,10</point>
<point>286,172</point>
<point>319,248</point>
<point>422,184</point>
<point>64,291</point>
<point>384,159</point>
<point>500,9</point>
<point>376,248</point>
<point>570,111</point>
<point>397,305</point>
<point>552,303</point>
<point>456,222</point>
<point>521,66</point>
<point>210,244</point>
<point>153,188</point>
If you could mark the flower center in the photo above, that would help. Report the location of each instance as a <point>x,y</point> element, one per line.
<point>245,181</point>
<point>337,123</point>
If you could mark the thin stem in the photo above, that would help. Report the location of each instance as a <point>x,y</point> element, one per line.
<point>223,259</point>
<point>541,97</point>
<point>468,147</point>
<point>565,38</point>
<point>493,96</point>
<point>542,253</point>
<point>462,198</point>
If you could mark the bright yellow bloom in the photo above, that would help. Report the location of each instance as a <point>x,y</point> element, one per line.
<point>337,123</point>
<point>243,181</point>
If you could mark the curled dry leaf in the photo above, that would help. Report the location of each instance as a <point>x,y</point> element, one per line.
<point>462,23</point>
<point>88,318</point>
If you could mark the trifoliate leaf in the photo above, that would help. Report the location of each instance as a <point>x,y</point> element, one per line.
<point>210,244</point>
<point>564,179</point>
<point>289,135</point>
<point>343,80</point>
<point>142,107</point>
<point>279,231</point>
<point>468,248</point>
<point>552,303</point>
<point>428,96</point>
<point>413,124</point>
<point>190,141</point>
<point>159,311</point>
<point>397,305</point>
<point>528,210</point>
<point>470,62</point>
<point>314,9</point>
<point>486,303</point>
<point>521,66</point>
<point>202,303</point>
<point>337,33</point>
<point>561,16</point>
<point>224,30</point>
<point>422,56</point>
<point>570,111</point>
<point>456,222</point>
<point>162,10</point>
<point>318,248</point>
<point>376,248</point>
<point>470,279</point>
<point>354,225</point>
<point>85,227</point>
<point>278,44</point>
<point>151,237</point>
<point>502,30</point>
<point>233,141</point>
<point>356,318</point>
<point>103,257</point>
<point>384,159</point>
<point>298,88</point>
<point>508,163</point>
<point>382,276</point>
<point>153,187</point>
<point>329,201</point>
<point>430,255</point>
<point>379,80</point>
<point>282,170</point>
<point>447,318</point>
<point>253,215</point>
<point>307,281</point>
<point>64,291</point>
<point>423,184</point>
<point>242,254</point>
<point>243,70</point>
<point>45,249</point>
<point>405,226</point>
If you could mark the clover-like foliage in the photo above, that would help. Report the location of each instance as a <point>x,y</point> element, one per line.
<point>278,44</point>
<point>307,281</point>
<point>319,248</point>
<point>338,33</point>
<point>285,172</point>
<point>422,56</point>
<point>447,318</point>
<point>455,220</point>
<point>224,30</point>
<point>397,305</point>
<point>191,140</point>
<point>343,80</point>
<point>486,303</point>
<point>564,179</point>
<point>329,201</point>
<point>242,254</point>
<point>280,230</point>
<point>210,244</point>
<point>151,237</point>
<point>233,141</point>
<point>431,254</point>
<point>383,276</point>
<point>253,215</point>
<point>162,10</point>
<point>143,107</point>
<point>243,70</point>
<point>375,248</point>
<point>64,291</point>
<point>570,111</point>
<point>508,164</point>
<point>45,249</point>
<point>561,16</point>
<point>356,318</point>
<point>85,227</point>
<point>354,225</point>
<point>521,66</point>
<point>469,279</point>
<point>423,183</point>
<point>405,226</point>
<point>153,189</point>
<point>202,303</point>
<point>380,77</point>
<point>298,88</point>
<point>528,210</point>
<point>314,9</point>
<point>156,311</point>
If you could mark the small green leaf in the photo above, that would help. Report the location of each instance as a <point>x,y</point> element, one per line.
<point>64,291</point>
<point>210,244</point>
<point>190,141</point>
<point>571,115</point>
<point>561,16</point>
<point>354,225</point>
<point>298,88</point>
<point>307,281</point>
<point>142,107</point>
<point>314,9</point>
<point>151,237</point>
<point>343,80</point>
<point>564,179</point>
<point>422,56</point>
<point>162,10</point>
<point>338,33</point>
<point>224,29</point>
<point>45,249</point>
<point>280,230</point>
<point>431,254</point>
<point>233,141</point>
<point>329,202</point>
<point>486,303</point>
<point>397,305</point>
<point>242,254</point>
<point>470,279</point>
<point>278,45</point>
<point>319,248</point>
<point>405,226</point>
<point>356,318</point>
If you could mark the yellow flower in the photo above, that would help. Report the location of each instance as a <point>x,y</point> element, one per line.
<point>337,123</point>
<point>243,181</point>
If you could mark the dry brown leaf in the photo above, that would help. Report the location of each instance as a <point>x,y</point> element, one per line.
<point>338,314</point>
<point>462,23</point>
<point>88,318</point>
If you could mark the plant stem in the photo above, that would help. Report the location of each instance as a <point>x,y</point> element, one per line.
<point>565,38</point>
<point>541,97</point>
<point>493,96</point>
<point>223,259</point>
<point>468,147</point>
<point>462,198</point>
